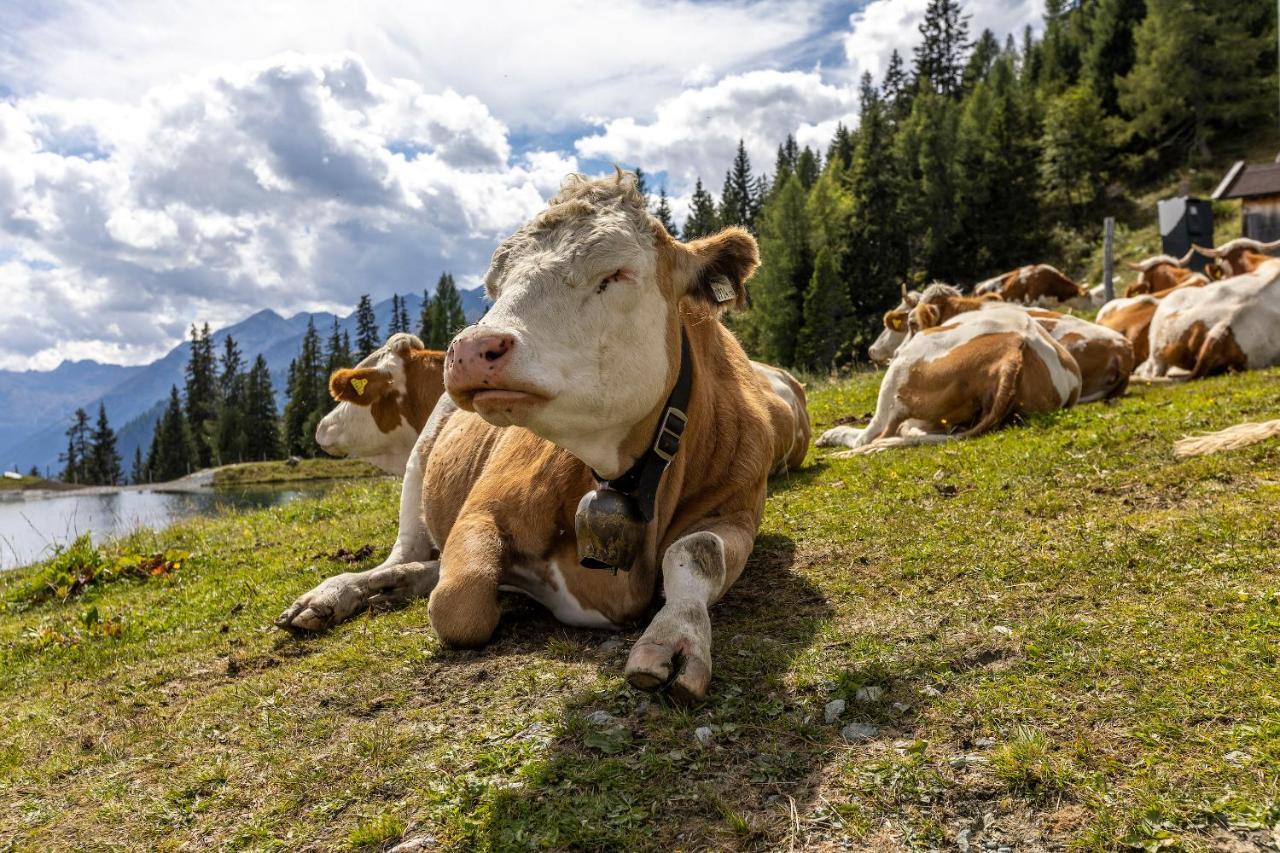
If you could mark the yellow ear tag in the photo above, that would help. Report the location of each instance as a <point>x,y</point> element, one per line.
<point>359,384</point>
<point>897,324</point>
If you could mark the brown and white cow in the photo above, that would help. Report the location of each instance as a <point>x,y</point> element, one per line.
<point>383,403</point>
<point>1228,325</point>
<point>569,373</point>
<point>963,378</point>
<point>1032,284</point>
<point>1238,256</point>
<point>1159,273</point>
<point>1104,356</point>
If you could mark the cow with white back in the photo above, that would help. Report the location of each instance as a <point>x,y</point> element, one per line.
<point>963,378</point>
<point>599,415</point>
<point>383,403</point>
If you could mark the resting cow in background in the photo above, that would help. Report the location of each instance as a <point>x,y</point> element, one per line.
<point>1240,256</point>
<point>970,374</point>
<point>599,414</point>
<point>1032,284</point>
<point>383,403</point>
<point>1159,273</point>
<point>1104,356</point>
<point>1228,325</point>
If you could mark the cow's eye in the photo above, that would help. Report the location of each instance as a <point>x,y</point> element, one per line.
<point>616,275</point>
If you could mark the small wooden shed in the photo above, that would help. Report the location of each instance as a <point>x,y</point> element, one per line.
<point>1257,185</point>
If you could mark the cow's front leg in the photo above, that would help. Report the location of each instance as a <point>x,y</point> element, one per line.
<point>340,597</point>
<point>675,649</point>
<point>464,606</point>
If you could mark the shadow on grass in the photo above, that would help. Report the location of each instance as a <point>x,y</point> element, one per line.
<point>642,779</point>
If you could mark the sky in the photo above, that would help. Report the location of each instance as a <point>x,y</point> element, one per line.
<point>163,163</point>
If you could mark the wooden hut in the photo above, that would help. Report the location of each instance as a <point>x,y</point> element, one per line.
<point>1257,185</point>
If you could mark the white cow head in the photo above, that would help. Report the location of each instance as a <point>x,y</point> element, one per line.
<point>383,403</point>
<point>895,328</point>
<point>582,342</point>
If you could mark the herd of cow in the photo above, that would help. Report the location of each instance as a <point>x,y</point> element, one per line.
<point>600,417</point>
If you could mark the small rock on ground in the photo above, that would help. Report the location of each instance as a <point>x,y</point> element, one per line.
<point>601,718</point>
<point>423,842</point>
<point>985,742</point>
<point>609,647</point>
<point>868,694</point>
<point>833,710</point>
<point>703,735</point>
<point>859,731</point>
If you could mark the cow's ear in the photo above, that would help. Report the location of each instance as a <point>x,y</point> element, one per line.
<point>926,316</point>
<point>359,385</point>
<point>716,268</point>
<point>896,321</point>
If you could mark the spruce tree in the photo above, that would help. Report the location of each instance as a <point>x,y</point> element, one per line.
<point>76,459</point>
<point>985,52</point>
<point>824,334</point>
<point>403,319</point>
<point>807,167</point>
<point>201,394</point>
<point>642,185</point>
<point>394,324</point>
<point>739,203</point>
<point>367,338</point>
<point>446,317</point>
<point>1074,152</point>
<point>229,433</point>
<point>424,318</point>
<point>780,286</point>
<point>1108,55</point>
<point>896,89</point>
<point>785,165</point>
<point>261,425</point>
<point>940,56</point>
<point>306,395</point>
<point>173,452</point>
<point>702,220</point>
<point>138,475</point>
<point>840,151</point>
<point>663,213</point>
<point>103,468</point>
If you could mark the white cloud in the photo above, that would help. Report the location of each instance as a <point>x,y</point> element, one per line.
<point>882,26</point>
<point>294,183</point>
<point>696,133</point>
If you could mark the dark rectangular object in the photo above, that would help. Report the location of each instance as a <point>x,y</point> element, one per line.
<point>1184,221</point>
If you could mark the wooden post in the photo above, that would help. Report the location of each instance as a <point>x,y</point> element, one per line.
<point>1108,241</point>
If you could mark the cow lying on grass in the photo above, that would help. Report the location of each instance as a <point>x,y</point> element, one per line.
<point>1032,285</point>
<point>1228,325</point>
<point>603,361</point>
<point>963,378</point>
<point>1160,273</point>
<point>1237,257</point>
<point>383,403</point>
<point>1104,357</point>
<point>895,328</point>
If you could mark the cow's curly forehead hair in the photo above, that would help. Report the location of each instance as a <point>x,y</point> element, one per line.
<point>580,198</point>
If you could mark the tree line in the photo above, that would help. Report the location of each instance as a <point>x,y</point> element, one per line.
<point>977,156</point>
<point>226,412</point>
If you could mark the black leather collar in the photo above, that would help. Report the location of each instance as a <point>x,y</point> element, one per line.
<point>641,480</point>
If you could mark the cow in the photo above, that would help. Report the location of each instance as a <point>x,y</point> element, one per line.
<point>1104,356</point>
<point>970,374</point>
<point>895,328</point>
<point>600,414</point>
<point>1238,256</point>
<point>383,403</point>
<point>1031,285</point>
<point>1228,325</point>
<point>1159,273</point>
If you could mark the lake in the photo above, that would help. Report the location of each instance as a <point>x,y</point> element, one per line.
<point>32,524</point>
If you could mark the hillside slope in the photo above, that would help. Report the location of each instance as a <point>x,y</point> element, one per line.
<point>1065,636</point>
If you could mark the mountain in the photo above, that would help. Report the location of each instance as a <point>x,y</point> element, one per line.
<point>134,396</point>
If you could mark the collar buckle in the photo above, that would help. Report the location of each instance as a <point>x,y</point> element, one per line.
<point>667,441</point>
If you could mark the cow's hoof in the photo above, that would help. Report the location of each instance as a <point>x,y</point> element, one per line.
<point>674,654</point>
<point>841,436</point>
<point>393,586</point>
<point>335,600</point>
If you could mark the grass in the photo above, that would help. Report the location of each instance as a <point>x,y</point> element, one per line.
<point>1075,637</point>
<point>282,472</point>
<point>27,482</point>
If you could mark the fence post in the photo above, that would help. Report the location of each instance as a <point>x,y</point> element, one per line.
<point>1108,241</point>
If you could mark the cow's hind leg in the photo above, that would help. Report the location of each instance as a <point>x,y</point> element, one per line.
<point>342,596</point>
<point>675,650</point>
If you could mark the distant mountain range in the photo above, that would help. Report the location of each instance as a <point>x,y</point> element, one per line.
<point>36,406</point>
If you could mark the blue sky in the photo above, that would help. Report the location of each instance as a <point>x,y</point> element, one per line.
<point>165,163</point>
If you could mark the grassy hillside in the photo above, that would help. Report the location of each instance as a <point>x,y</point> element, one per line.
<point>1057,634</point>
<point>279,471</point>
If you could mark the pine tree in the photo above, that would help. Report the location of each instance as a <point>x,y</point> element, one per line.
<point>785,166</point>
<point>925,151</point>
<point>230,437</point>
<point>642,185</point>
<point>201,395</point>
<point>1109,53</point>
<point>403,317</point>
<point>103,468</point>
<point>985,52</point>
<point>840,150</point>
<point>173,451</point>
<point>896,90</point>
<point>780,286</point>
<point>394,326</point>
<point>1059,48</point>
<point>824,334</point>
<point>807,167</point>
<point>1075,151</point>
<point>663,213</point>
<point>702,220</point>
<point>940,56</point>
<point>367,338</point>
<point>138,475</point>
<point>446,317</point>
<point>739,202</point>
<point>306,396</point>
<point>76,458</point>
<point>261,425</point>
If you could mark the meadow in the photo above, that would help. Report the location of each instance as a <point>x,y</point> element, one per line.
<point>1055,636</point>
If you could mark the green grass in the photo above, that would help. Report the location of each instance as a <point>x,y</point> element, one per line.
<point>283,472</point>
<point>1107,616</point>
<point>28,482</point>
